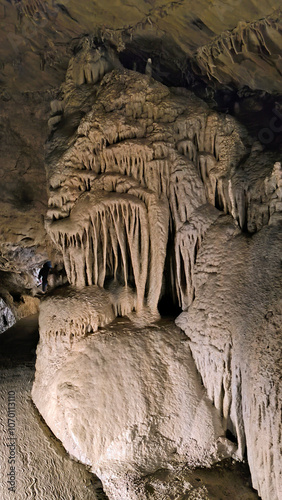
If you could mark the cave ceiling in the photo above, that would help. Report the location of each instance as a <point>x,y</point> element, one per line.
<point>232,42</point>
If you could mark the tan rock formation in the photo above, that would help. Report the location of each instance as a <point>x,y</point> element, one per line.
<point>140,153</point>
<point>151,182</point>
<point>234,333</point>
<point>152,195</point>
<point>235,42</point>
<point>23,199</point>
<point>125,401</point>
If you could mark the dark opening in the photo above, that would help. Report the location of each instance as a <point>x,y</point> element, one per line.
<point>231,436</point>
<point>168,305</point>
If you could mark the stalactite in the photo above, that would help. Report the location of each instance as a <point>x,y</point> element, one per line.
<point>241,39</point>
<point>116,223</point>
<point>183,160</point>
<point>187,243</point>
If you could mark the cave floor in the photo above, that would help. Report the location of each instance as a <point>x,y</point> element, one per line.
<point>44,471</point>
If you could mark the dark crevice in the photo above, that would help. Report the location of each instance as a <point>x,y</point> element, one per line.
<point>231,436</point>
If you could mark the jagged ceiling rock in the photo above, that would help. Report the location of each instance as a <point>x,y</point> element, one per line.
<point>243,55</point>
<point>233,42</point>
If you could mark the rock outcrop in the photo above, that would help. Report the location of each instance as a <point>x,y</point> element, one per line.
<point>7,317</point>
<point>138,165</point>
<point>23,199</point>
<point>154,199</point>
<point>233,42</point>
<point>242,55</point>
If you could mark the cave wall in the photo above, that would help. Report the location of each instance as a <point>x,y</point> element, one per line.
<point>229,55</point>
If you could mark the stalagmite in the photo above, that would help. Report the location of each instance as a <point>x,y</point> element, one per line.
<point>127,402</point>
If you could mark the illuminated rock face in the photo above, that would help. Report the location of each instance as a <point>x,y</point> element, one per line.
<point>152,183</point>
<point>142,162</point>
<point>126,401</point>
<point>234,331</point>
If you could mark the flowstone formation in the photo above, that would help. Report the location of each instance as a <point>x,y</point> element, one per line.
<point>126,401</point>
<point>223,57</point>
<point>152,194</point>
<point>139,164</point>
<point>234,328</point>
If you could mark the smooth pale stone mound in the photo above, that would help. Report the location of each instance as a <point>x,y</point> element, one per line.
<point>127,401</point>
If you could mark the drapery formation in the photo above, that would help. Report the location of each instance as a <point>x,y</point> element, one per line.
<point>139,168</point>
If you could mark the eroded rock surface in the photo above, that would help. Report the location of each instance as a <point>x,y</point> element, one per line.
<point>234,42</point>
<point>23,199</point>
<point>7,317</point>
<point>136,168</point>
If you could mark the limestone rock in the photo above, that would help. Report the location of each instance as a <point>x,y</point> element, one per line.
<point>23,200</point>
<point>234,331</point>
<point>235,42</point>
<point>126,401</point>
<point>223,58</point>
<point>142,159</point>
<point>152,161</point>
<point>151,192</point>
<point>71,314</point>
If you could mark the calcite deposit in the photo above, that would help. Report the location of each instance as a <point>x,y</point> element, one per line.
<point>126,401</point>
<point>234,331</point>
<point>140,163</point>
<point>151,193</point>
<point>249,38</point>
<point>150,200</point>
